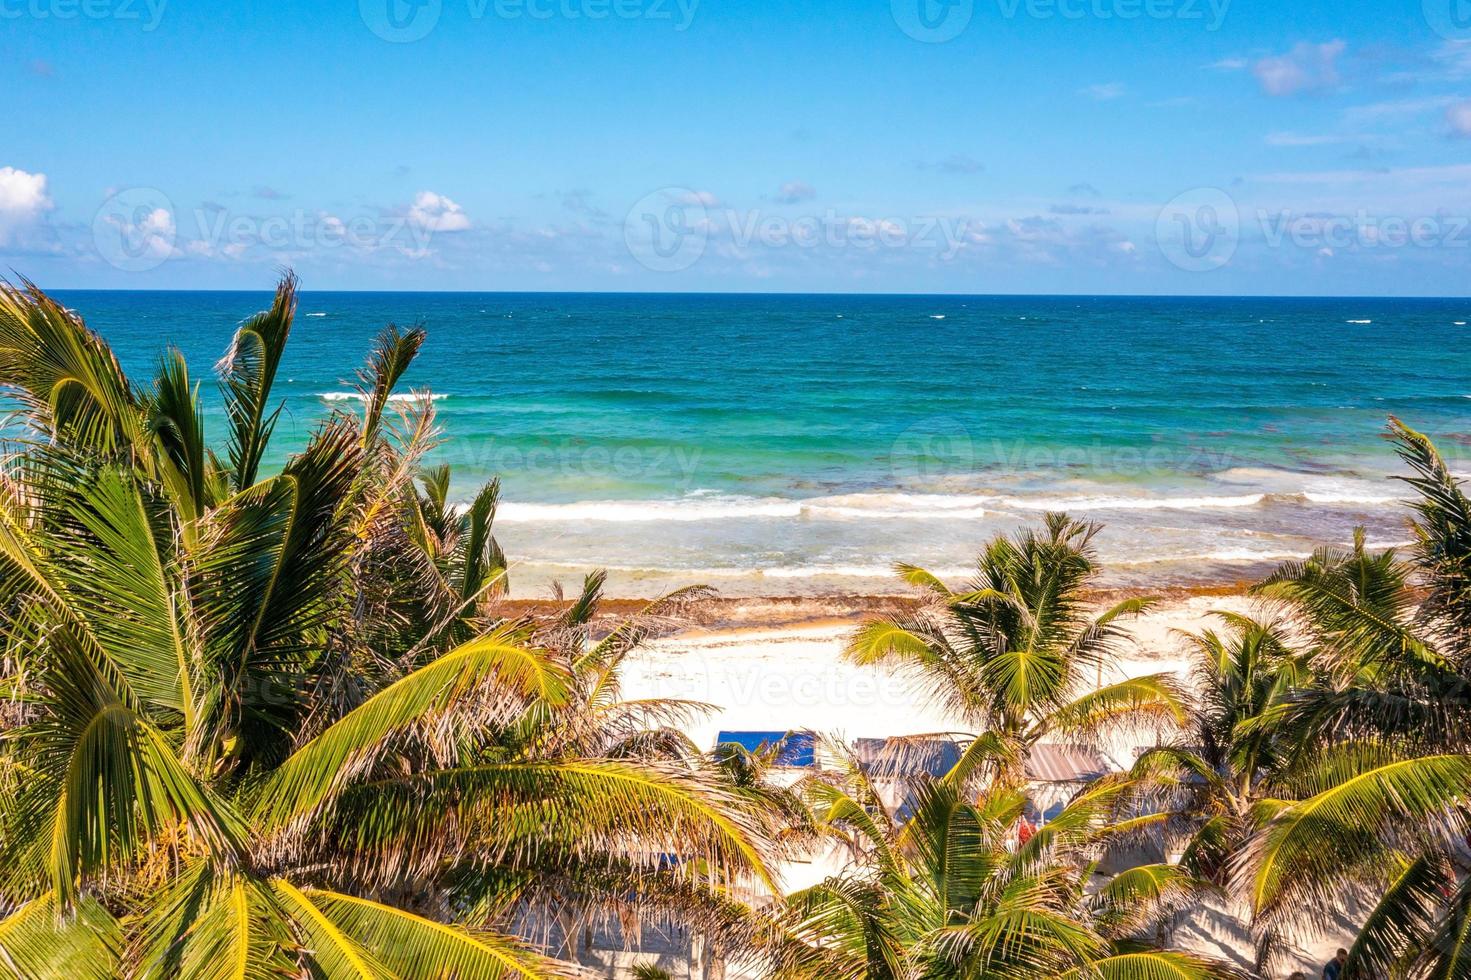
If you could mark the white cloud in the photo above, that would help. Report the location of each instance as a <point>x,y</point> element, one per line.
<point>1311,139</point>
<point>1459,118</point>
<point>1229,64</point>
<point>1445,175</point>
<point>1454,59</point>
<point>701,199</point>
<point>1105,92</point>
<point>1306,68</point>
<point>22,200</point>
<point>1398,108</point>
<point>435,212</point>
<point>955,163</point>
<point>795,192</point>
<point>150,234</point>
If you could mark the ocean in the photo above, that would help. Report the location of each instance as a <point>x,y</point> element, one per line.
<point>790,444</point>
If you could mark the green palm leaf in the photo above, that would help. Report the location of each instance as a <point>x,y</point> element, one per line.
<point>1151,966</point>
<point>415,948</point>
<point>38,941</point>
<point>66,377</point>
<point>248,371</point>
<point>325,764</point>
<point>1302,855</point>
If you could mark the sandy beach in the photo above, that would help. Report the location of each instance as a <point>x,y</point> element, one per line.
<point>767,666</point>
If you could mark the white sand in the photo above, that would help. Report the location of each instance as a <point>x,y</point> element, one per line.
<point>781,678</point>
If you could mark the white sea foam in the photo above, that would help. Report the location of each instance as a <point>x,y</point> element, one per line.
<point>913,506</point>
<point>626,511</point>
<point>1359,322</point>
<point>316,314</point>
<point>1084,504</point>
<point>775,572</point>
<point>1224,555</point>
<point>1351,498</point>
<point>357,396</point>
<point>704,505</point>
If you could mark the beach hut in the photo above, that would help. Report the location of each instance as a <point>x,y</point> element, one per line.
<point>1056,772</point>
<point>906,758</point>
<point>898,766</point>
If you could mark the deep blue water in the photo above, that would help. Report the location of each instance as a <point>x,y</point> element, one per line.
<point>815,439</point>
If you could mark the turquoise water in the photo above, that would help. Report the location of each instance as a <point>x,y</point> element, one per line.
<point>777,444</point>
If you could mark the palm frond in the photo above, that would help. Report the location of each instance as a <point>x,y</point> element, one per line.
<point>41,941</point>
<point>1303,854</point>
<point>1442,534</point>
<point>1152,698</point>
<point>248,372</point>
<point>393,352</point>
<point>415,948</point>
<point>325,764</point>
<point>65,377</point>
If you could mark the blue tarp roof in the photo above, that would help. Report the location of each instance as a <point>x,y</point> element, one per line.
<point>798,749</point>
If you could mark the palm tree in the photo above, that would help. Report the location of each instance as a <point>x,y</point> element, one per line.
<point>1014,652</point>
<point>1205,788</point>
<point>270,725</point>
<point>1230,755</point>
<point>949,892</point>
<point>1381,737</point>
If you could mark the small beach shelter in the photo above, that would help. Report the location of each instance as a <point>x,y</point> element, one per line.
<point>1055,773</point>
<point>899,767</point>
<point>906,758</point>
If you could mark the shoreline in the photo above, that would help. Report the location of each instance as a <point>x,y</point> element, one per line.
<point>723,613</point>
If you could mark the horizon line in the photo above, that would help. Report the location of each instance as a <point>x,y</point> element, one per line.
<point>756,293</point>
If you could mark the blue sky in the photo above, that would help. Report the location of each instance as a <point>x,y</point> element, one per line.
<point>1121,146</point>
